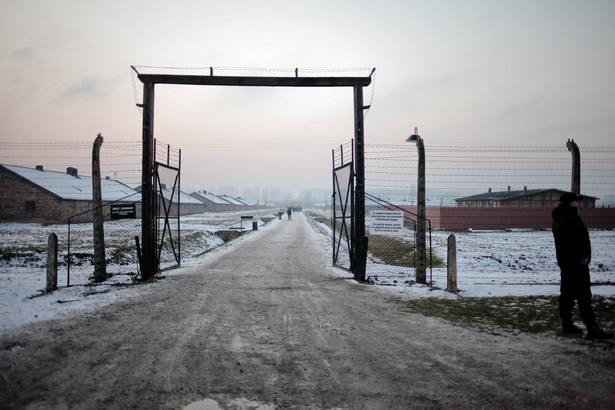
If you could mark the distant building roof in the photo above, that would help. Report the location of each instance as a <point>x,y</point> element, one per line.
<point>232,200</point>
<point>75,188</point>
<point>249,202</point>
<point>214,198</point>
<point>501,196</point>
<point>184,197</point>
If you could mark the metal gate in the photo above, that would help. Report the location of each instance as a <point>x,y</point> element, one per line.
<point>167,207</point>
<point>342,206</point>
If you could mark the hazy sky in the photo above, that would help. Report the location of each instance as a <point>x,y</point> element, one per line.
<point>522,72</point>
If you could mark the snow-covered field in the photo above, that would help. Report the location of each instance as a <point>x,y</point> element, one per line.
<point>518,263</point>
<point>495,263</point>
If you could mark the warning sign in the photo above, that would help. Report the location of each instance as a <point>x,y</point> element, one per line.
<point>127,211</point>
<point>386,222</point>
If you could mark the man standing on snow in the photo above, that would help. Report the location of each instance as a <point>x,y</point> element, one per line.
<point>573,251</point>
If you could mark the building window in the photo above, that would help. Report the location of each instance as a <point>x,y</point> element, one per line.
<point>30,206</point>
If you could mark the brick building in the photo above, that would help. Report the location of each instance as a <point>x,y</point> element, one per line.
<point>528,198</point>
<point>36,195</point>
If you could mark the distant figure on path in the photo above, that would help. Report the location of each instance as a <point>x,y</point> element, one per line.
<point>289,212</point>
<point>573,252</point>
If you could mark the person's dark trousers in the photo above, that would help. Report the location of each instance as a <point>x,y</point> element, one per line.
<point>576,286</point>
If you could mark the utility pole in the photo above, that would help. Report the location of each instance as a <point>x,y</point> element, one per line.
<point>575,184</point>
<point>100,263</point>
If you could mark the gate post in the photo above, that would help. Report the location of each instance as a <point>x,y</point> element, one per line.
<point>451,265</point>
<point>149,266</point>
<point>360,241</point>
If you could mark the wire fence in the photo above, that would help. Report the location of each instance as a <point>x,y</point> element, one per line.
<point>121,248</point>
<point>456,170</point>
<point>391,254</point>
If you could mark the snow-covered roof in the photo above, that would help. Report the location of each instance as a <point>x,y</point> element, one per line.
<point>74,188</point>
<point>248,201</point>
<point>232,200</point>
<point>213,198</point>
<point>184,197</point>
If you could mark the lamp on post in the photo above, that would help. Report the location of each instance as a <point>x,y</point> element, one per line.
<point>421,251</point>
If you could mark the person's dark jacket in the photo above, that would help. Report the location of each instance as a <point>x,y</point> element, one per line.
<point>571,237</point>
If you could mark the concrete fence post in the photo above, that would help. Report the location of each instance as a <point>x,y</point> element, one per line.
<point>100,263</point>
<point>451,265</point>
<point>52,263</point>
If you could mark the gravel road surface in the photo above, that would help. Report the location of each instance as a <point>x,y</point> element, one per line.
<point>267,324</point>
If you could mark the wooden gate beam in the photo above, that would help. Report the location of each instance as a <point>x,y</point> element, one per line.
<point>255,81</point>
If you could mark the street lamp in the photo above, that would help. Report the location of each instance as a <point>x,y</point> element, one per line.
<point>421,251</point>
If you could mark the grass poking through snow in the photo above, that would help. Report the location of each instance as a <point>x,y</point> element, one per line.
<point>509,314</point>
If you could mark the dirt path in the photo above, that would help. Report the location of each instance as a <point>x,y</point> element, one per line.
<point>267,325</point>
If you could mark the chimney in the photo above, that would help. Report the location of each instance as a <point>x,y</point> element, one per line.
<point>39,167</point>
<point>72,171</point>
<point>524,188</point>
<point>489,190</point>
<point>508,188</point>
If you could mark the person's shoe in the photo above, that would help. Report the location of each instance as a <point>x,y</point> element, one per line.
<point>572,330</point>
<point>597,333</point>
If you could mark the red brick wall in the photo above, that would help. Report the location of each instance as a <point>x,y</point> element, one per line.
<point>15,191</point>
<point>461,219</point>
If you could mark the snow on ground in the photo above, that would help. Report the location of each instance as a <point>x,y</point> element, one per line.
<point>517,263</point>
<point>497,263</point>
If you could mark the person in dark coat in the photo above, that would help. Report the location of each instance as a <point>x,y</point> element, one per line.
<point>573,252</point>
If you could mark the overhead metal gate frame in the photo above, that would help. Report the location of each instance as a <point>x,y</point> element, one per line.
<point>149,266</point>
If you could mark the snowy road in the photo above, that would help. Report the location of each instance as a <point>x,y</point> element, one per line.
<point>265,326</point>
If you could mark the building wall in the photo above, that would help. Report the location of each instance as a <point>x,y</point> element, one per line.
<point>21,201</point>
<point>15,192</point>
<point>185,208</point>
<point>501,218</point>
<point>546,199</point>
<point>549,199</point>
<point>211,206</point>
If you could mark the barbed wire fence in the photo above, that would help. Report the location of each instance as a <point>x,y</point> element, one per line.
<point>392,257</point>
<point>120,244</point>
<point>453,170</point>
<point>457,170</point>
<point>120,160</point>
